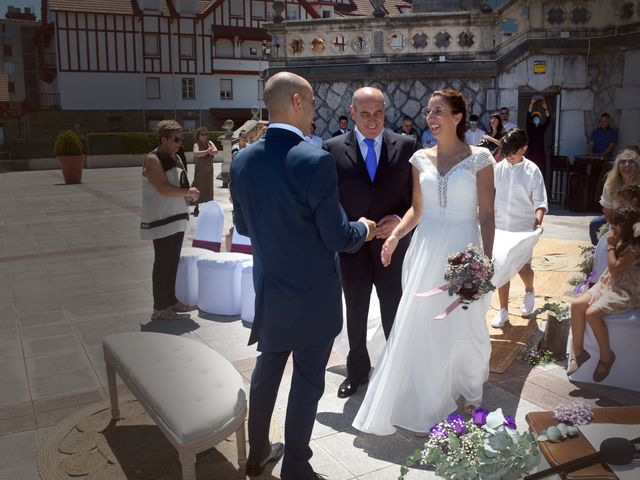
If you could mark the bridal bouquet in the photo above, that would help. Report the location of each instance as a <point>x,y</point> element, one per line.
<point>468,275</point>
<point>486,447</point>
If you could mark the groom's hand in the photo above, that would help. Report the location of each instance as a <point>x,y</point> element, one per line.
<point>372,228</point>
<point>386,225</point>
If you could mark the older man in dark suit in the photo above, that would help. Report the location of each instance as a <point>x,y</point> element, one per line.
<point>374,176</point>
<point>285,197</point>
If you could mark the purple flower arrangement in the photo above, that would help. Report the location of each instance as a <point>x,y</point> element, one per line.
<point>486,446</point>
<point>576,413</point>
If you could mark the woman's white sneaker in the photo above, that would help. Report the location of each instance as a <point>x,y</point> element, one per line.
<point>501,318</point>
<point>528,303</point>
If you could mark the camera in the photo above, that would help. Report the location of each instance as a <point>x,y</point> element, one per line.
<point>539,97</point>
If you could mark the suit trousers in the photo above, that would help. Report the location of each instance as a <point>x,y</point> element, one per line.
<point>360,271</point>
<point>165,268</point>
<point>307,387</point>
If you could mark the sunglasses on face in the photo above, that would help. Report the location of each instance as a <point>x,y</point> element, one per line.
<point>177,139</point>
<point>626,162</point>
<point>436,111</point>
<point>473,122</point>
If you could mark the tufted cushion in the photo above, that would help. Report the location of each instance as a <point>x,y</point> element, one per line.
<point>187,384</point>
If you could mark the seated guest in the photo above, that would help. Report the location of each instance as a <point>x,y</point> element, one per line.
<point>407,127</point>
<point>617,291</point>
<point>474,135</point>
<point>625,171</point>
<point>603,140</point>
<point>343,123</point>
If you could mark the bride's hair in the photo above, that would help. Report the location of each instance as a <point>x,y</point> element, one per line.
<point>457,104</point>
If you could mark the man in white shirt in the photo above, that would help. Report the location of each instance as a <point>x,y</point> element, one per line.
<point>520,206</point>
<point>312,138</point>
<point>474,134</point>
<point>504,116</point>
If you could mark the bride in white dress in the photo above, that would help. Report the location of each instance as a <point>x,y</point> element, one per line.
<point>428,364</point>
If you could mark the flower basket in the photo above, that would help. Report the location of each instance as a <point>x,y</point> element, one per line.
<point>68,151</point>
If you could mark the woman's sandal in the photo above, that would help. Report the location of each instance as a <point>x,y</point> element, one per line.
<point>576,362</point>
<point>469,407</point>
<point>602,370</point>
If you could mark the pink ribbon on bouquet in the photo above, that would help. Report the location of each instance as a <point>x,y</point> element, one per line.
<point>435,291</point>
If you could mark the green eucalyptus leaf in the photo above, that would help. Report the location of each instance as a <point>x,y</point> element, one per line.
<point>573,431</point>
<point>554,434</point>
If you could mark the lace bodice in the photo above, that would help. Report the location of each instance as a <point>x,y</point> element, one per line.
<point>455,194</point>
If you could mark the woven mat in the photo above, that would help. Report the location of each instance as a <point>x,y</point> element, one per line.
<point>88,445</point>
<point>554,261</point>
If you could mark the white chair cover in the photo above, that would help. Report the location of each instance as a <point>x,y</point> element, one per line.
<point>209,227</point>
<point>219,283</point>
<point>187,276</point>
<point>600,261</point>
<point>624,334</point>
<point>248,294</point>
<point>240,243</point>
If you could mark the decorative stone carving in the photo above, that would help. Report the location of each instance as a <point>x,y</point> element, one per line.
<point>360,44</point>
<point>318,45</point>
<point>396,41</point>
<point>338,44</point>
<point>580,15</point>
<point>420,40</point>
<point>556,15</point>
<point>278,8</point>
<point>297,45</point>
<point>443,40</point>
<point>466,39</point>
<point>624,10</point>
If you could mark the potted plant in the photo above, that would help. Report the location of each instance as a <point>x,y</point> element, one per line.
<point>68,151</point>
<point>556,331</point>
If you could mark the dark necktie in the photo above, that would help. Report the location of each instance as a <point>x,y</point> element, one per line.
<point>370,161</point>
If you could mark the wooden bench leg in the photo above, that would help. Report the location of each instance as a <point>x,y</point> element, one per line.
<point>242,446</point>
<point>188,462</point>
<point>113,391</point>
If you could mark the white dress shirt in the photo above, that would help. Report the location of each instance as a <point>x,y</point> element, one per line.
<point>473,138</point>
<point>509,125</point>
<point>314,140</point>
<point>520,191</point>
<point>364,148</point>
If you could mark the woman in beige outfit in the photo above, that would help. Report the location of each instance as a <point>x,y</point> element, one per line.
<point>203,152</point>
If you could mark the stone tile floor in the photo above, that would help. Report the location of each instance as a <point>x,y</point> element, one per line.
<point>73,270</point>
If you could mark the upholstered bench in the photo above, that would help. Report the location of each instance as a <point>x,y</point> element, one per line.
<point>192,393</point>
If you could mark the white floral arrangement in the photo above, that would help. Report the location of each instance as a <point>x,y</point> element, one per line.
<point>485,447</point>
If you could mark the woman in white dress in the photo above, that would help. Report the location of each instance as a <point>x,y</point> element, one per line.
<point>428,364</point>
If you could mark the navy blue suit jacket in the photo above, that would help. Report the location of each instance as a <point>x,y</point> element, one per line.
<point>285,198</point>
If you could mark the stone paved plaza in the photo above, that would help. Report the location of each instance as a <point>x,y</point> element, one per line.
<point>73,270</point>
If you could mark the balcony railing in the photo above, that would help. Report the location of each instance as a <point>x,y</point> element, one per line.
<point>44,101</point>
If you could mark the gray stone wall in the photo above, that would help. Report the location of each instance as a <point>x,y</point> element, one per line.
<point>402,97</point>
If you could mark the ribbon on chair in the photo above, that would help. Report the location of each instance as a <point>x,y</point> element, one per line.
<point>213,246</point>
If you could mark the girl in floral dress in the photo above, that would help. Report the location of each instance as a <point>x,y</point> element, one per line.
<point>617,291</point>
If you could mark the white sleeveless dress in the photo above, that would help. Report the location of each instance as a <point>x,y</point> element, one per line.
<point>427,364</point>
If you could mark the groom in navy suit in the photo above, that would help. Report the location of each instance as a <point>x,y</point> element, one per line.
<point>285,198</point>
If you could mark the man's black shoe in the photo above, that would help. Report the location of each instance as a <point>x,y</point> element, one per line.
<point>348,387</point>
<point>276,452</point>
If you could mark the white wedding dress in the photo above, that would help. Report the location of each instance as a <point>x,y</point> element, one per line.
<point>428,364</point>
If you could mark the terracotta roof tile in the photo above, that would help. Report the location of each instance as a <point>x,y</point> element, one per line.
<point>124,7</point>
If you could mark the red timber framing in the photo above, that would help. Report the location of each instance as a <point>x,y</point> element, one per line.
<point>159,44</point>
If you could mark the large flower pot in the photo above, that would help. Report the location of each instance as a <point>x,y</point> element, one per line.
<point>71,166</point>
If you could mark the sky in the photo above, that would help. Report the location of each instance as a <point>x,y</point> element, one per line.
<point>34,4</point>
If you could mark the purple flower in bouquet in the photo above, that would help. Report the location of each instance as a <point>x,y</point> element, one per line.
<point>479,416</point>
<point>438,430</point>
<point>510,422</point>
<point>456,421</point>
